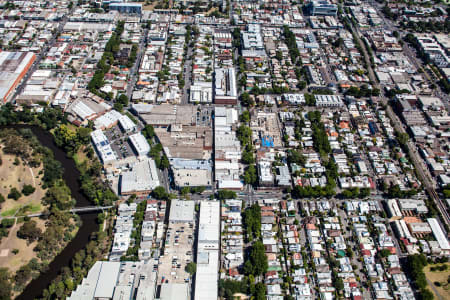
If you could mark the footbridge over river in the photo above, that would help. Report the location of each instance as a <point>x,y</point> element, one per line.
<point>76,210</point>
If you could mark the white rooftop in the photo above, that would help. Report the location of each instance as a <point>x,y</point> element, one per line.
<point>181,211</point>
<point>140,144</point>
<point>142,177</point>
<point>174,291</point>
<point>439,234</point>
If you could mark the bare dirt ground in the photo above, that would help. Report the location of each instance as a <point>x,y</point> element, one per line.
<point>14,261</point>
<point>212,9</point>
<point>150,6</point>
<point>17,176</point>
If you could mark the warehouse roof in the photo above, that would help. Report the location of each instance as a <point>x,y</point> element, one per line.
<point>209,222</point>
<point>126,123</point>
<point>107,120</point>
<point>13,67</point>
<point>102,146</point>
<point>139,143</point>
<point>439,234</point>
<point>167,114</point>
<point>182,211</point>
<point>206,275</point>
<point>174,291</point>
<point>108,274</point>
<point>208,251</point>
<point>193,164</point>
<point>99,283</point>
<point>142,177</point>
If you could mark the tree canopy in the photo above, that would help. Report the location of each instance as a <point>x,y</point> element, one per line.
<point>226,194</point>
<point>160,193</point>
<point>29,231</point>
<point>250,175</point>
<point>5,285</point>
<point>14,194</point>
<point>191,268</point>
<point>28,189</point>
<point>256,263</point>
<point>244,134</point>
<point>252,221</point>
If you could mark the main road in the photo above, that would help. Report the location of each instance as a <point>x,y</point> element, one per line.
<point>422,170</point>
<point>133,76</point>
<point>41,54</point>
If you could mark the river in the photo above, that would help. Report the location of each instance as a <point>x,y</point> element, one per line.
<point>89,221</point>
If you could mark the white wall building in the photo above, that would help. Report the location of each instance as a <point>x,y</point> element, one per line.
<point>140,144</point>
<point>208,246</point>
<point>141,179</point>
<point>439,235</point>
<point>103,147</point>
<point>201,92</point>
<point>126,123</point>
<point>328,101</point>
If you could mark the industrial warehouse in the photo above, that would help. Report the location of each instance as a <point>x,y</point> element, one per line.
<point>14,66</point>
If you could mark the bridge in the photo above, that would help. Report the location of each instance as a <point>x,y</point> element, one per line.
<point>90,208</point>
<point>73,210</point>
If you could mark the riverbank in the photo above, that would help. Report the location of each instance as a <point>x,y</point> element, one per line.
<point>31,244</point>
<point>45,274</point>
<point>88,226</point>
<point>68,268</point>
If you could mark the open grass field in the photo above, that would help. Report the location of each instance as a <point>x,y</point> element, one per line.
<point>440,277</point>
<point>16,176</point>
<point>80,156</point>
